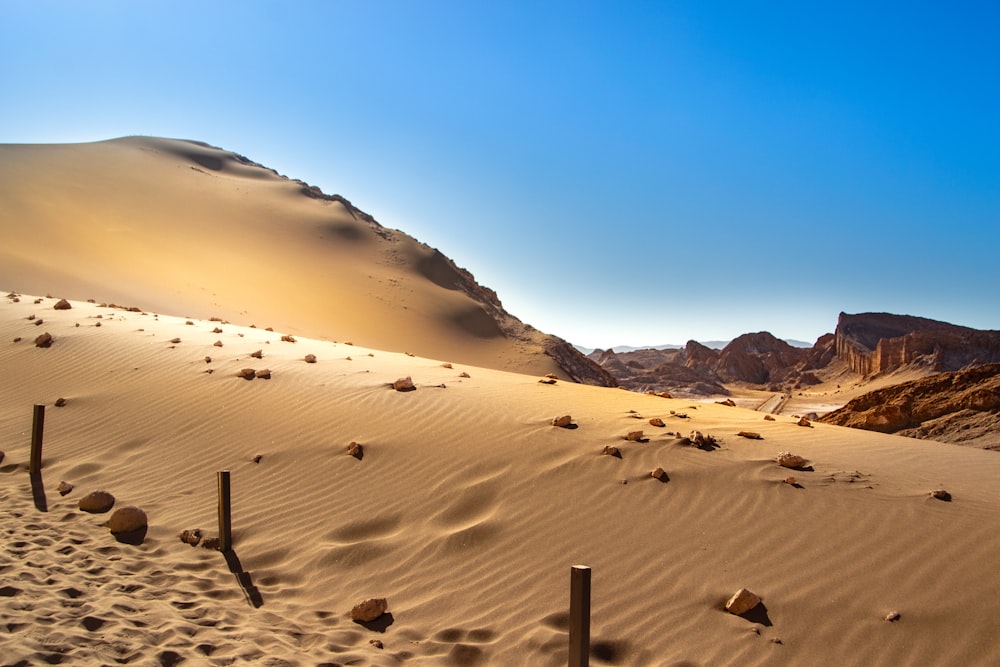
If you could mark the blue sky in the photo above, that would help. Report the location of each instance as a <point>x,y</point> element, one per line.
<point>620,173</point>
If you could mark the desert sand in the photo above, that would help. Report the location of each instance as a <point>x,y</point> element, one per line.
<point>466,512</point>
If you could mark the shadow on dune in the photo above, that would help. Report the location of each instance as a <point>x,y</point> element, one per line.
<point>38,492</point>
<point>379,624</point>
<point>244,579</point>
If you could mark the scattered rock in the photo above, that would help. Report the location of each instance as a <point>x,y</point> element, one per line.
<point>789,460</point>
<point>369,610</point>
<point>729,402</point>
<point>210,543</point>
<point>741,602</point>
<point>634,436</point>
<point>941,494</point>
<point>63,488</point>
<point>191,536</point>
<point>264,374</point>
<point>288,339</point>
<point>127,520</point>
<point>310,358</point>
<point>208,360</point>
<point>463,374</point>
<point>768,418</point>
<point>611,450</point>
<point>257,458</point>
<point>893,616</point>
<point>17,339</point>
<point>804,422</point>
<point>404,384</point>
<point>446,365</point>
<point>750,435</point>
<point>551,376</point>
<point>247,374</point>
<point>216,330</point>
<point>60,402</point>
<point>44,340</point>
<point>547,381</point>
<point>377,643</point>
<point>217,343</point>
<point>702,441</point>
<point>790,480</point>
<point>660,474</point>
<point>259,354</point>
<point>356,450</point>
<point>656,421</point>
<point>563,421</point>
<point>175,340</point>
<point>97,502</point>
<point>62,304</point>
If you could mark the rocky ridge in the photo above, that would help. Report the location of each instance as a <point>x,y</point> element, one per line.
<point>959,407</point>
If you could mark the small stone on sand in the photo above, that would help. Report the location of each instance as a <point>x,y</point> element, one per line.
<point>741,602</point>
<point>97,502</point>
<point>369,610</point>
<point>562,421</point>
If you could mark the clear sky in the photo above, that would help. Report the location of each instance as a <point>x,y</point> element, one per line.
<point>619,172</point>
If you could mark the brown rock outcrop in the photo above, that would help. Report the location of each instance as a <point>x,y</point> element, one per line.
<point>960,407</point>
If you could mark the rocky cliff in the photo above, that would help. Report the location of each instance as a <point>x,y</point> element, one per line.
<point>874,343</point>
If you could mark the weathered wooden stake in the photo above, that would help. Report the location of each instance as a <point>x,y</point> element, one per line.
<point>225,513</point>
<point>579,616</point>
<point>37,427</point>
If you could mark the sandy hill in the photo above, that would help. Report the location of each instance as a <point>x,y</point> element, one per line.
<point>465,511</point>
<point>183,228</point>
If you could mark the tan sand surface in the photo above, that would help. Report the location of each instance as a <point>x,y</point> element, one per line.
<point>466,512</point>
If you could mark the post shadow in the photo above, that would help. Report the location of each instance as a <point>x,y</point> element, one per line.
<point>243,578</point>
<point>38,491</point>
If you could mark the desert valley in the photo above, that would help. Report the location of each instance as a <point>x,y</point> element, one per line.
<point>392,432</point>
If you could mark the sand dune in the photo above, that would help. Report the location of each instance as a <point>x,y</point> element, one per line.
<point>466,512</point>
<point>184,228</point>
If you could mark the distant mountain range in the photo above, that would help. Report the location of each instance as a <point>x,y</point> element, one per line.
<point>865,344</point>
<point>713,344</point>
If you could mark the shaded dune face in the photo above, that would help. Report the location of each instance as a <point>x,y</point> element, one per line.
<point>177,226</point>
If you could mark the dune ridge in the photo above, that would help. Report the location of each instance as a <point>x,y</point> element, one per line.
<point>183,227</point>
<point>466,511</point>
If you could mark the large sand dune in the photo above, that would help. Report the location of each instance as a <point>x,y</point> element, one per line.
<point>466,511</point>
<point>185,228</point>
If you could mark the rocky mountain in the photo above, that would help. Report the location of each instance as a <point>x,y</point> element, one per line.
<point>696,369</point>
<point>959,406</point>
<point>869,344</point>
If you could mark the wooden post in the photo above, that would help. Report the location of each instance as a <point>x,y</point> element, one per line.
<point>225,513</point>
<point>579,616</point>
<point>37,427</point>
